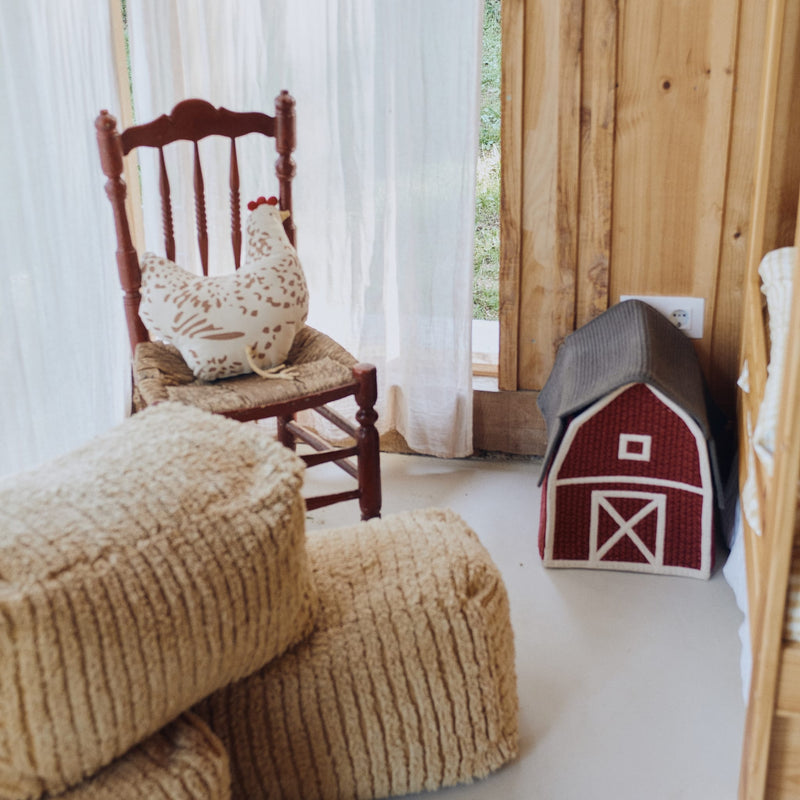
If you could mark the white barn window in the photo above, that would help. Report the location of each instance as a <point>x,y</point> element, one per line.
<point>634,447</point>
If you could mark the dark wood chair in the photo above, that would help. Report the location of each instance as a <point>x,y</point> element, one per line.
<point>326,371</point>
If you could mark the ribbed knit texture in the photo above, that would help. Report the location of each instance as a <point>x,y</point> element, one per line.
<point>319,363</point>
<point>183,761</point>
<point>406,684</point>
<point>138,574</point>
<point>650,515</point>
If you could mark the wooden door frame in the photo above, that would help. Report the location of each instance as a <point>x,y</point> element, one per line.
<point>511,145</point>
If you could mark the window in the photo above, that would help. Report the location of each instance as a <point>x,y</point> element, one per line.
<point>634,447</point>
<point>486,264</point>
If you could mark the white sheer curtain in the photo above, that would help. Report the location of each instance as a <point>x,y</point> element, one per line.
<point>387,98</point>
<point>63,355</point>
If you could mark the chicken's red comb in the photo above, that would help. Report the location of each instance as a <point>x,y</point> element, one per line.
<point>270,201</point>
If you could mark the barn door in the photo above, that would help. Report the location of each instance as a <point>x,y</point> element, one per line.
<point>627,526</point>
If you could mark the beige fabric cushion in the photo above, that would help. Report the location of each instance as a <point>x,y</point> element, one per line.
<point>182,761</point>
<point>152,566</point>
<point>213,320</point>
<point>406,684</point>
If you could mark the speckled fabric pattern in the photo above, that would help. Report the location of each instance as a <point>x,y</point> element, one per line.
<point>139,573</point>
<point>406,684</point>
<point>213,320</point>
<point>182,761</point>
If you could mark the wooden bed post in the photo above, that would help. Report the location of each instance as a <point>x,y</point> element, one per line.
<point>770,611</point>
<point>768,556</point>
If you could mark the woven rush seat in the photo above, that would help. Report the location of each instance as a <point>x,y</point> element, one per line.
<point>318,363</point>
<point>406,684</point>
<point>182,761</point>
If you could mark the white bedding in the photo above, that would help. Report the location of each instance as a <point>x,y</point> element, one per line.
<point>735,573</point>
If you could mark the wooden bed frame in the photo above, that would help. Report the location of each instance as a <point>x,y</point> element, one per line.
<point>770,766</point>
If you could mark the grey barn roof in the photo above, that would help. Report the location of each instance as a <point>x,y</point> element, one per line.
<point>631,342</point>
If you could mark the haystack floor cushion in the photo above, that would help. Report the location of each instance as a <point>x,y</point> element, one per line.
<point>318,363</point>
<point>138,574</point>
<point>182,761</point>
<point>406,684</point>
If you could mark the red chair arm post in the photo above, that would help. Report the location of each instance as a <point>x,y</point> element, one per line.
<point>108,142</point>
<point>369,464</point>
<point>285,143</point>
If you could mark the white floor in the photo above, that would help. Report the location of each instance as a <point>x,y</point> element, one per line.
<point>629,684</point>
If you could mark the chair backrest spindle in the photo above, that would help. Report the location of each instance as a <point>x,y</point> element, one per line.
<point>190,120</point>
<point>166,206</point>
<point>285,145</point>
<point>200,209</point>
<point>236,213</point>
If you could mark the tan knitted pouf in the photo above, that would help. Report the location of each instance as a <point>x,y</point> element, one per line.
<point>138,574</point>
<point>407,683</point>
<point>183,761</point>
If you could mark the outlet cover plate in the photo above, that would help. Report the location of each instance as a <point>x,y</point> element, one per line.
<point>691,307</point>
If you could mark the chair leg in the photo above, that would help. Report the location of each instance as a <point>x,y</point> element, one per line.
<point>369,464</point>
<point>284,436</point>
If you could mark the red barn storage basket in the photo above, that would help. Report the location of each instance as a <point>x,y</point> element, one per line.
<point>630,471</point>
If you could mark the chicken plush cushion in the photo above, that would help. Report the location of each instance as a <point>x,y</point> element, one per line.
<point>233,324</point>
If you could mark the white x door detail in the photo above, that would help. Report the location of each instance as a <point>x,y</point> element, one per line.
<point>602,501</point>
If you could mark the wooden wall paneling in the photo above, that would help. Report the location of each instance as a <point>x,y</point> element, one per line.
<point>508,422</point>
<point>598,94</point>
<point>551,136</point>
<point>675,74</point>
<point>628,139</point>
<point>784,175</point>
<point>511,79</point>
<point>762,209</point>
<point>725,326</point>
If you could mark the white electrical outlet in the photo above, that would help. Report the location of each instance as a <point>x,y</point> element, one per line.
<point>685,313</point>
<point>681,318</point>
